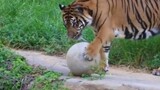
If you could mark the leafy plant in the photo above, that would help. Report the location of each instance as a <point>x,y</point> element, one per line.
<point>48,81</point>
<point>13,69</point>
<point>97,73</point>
<point>16,74</point>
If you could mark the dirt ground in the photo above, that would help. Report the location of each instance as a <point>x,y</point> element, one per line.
<point>117,77</point>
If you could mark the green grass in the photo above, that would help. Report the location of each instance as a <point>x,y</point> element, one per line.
<point>33,24</point>
<point>138,54</point>
<point>16,74</point>
<point>48,81</point>
<point>12,70</point>
<point>37,25</point>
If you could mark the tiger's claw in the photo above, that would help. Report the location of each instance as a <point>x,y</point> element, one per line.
<point>87,58</point>
<point>106,69</point>
<point>156,72</point>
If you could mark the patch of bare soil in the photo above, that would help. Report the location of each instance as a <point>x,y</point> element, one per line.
<point>117,77</point>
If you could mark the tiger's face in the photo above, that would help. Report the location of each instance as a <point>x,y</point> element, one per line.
<point>75,19</point>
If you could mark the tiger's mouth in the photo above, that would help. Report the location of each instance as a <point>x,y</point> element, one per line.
<point>77,36</point>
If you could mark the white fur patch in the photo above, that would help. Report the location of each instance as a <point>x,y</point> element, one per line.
<point>148,34</point>
<point>119,33</point>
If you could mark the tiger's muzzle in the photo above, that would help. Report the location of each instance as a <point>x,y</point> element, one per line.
<point>75,36</point>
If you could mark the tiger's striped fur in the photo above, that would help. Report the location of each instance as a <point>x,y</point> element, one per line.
<point>130,19</point>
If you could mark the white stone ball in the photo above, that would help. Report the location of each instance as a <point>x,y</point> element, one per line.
<point>76,62</point>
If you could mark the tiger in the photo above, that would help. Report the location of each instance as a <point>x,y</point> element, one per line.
<point>127,19</point>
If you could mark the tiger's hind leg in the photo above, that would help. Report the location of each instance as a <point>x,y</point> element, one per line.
<point>156,72</point>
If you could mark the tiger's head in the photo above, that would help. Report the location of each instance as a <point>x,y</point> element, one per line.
<point>75,18</point>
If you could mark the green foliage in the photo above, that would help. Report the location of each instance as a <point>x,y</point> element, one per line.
<point>48,81</point>
<point>33,24</point>
<point>97,73</point>
<point>155,62</point>
<point>139,54</point>
<point>13,69</point>
<point>16,74</point>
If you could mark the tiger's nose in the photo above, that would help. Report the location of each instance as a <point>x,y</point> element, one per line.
<point>71,35</point>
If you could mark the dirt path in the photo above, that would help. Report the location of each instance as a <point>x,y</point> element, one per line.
<point>117,79</point>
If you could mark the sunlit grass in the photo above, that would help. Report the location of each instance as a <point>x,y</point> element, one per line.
<point>16,74</point>
<point>140,53</point>
<point>33,24</point>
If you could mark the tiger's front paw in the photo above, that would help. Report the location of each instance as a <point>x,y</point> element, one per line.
<point>90,54</point>
<point>156,72</point>
<point>87,57</point>
<point>106,69</point>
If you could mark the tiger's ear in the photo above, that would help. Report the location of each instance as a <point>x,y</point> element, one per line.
<point>62,7</point>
